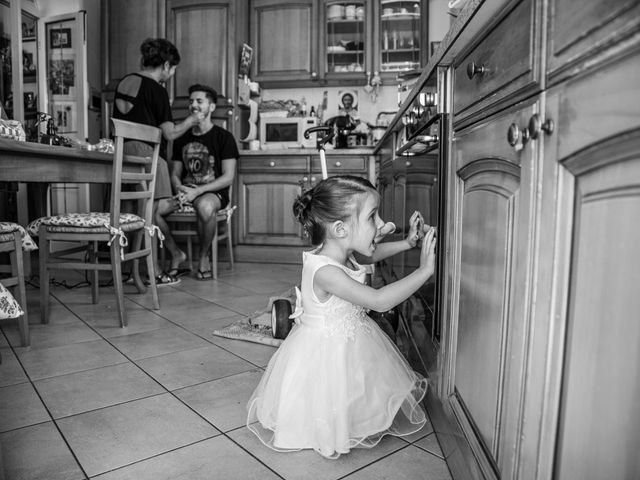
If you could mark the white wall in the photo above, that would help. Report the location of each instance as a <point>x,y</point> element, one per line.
<point>387,100</point>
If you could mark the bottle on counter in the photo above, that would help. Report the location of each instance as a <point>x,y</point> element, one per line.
<point>312,112</point>
<point>303,107</point>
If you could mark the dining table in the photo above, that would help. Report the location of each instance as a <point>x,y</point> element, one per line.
<point>26,162</point>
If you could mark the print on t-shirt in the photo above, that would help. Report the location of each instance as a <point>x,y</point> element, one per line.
<point>199,163</point>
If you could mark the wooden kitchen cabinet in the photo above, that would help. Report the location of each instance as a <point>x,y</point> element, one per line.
<point>494,187</point>
<point>214,61</point>
<point>590,333</point>
<point>538,325</point>
<point>401,36</point>
<point>268,184</point>
<point>127,26</point>
<point>336,42</point>
<point>569,49</point>
<point>285,37</point>
<point>267,188</point>
<point>501,66</point>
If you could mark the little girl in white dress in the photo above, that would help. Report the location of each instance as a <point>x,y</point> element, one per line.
<point>337,382</point>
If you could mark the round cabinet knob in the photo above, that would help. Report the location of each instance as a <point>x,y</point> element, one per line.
<point>515,135</point>
<point>229,113</point>
<point>474,69</point>
<point>313,179</point>
<point>314,74</point>
<point>272,164</point>
<point>536,125</point>
<point>427,99</point>
<point>407,163</point>
<point>305,179</point>
<point>338,163</point>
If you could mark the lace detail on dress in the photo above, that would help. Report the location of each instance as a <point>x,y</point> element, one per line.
<point>346,319</point>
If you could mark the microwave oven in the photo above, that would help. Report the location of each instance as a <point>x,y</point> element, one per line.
<point>286,132</point>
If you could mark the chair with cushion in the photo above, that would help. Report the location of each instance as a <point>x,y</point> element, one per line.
<point>113,228</point>
<point>183,224</point>
<point>11,242</point>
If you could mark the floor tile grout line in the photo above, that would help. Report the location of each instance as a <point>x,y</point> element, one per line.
<point>102,337</point>
<point>157,455</point>
<point>441,457</point>
<point>57,427</point>
<point>250,453</point>
<point>375,461</point>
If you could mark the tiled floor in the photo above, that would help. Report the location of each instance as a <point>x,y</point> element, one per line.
<point>162,398</point>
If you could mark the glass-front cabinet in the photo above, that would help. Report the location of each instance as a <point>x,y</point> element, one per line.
<point>346,35</point>
<point>401,35</point>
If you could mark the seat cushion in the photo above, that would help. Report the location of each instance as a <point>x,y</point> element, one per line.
<point>6,235</point>
<point>9,307</point>
<point>188,210</point>
<point>93,222</point>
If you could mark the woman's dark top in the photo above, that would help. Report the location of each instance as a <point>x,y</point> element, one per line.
<point>145,101</point>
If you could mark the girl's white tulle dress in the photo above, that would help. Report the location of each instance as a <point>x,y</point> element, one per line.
<point>337,382</point>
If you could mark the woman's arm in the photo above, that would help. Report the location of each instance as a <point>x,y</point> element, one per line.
<point>171,130</point>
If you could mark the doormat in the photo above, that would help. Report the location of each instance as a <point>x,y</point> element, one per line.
<point>256,327</point>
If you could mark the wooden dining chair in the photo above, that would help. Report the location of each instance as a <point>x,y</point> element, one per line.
<point>183,223</point>
<point>113,228</point>
<point>11,243</point>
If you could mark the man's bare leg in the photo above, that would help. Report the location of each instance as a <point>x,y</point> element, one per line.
<point>162,208</point>
<point>207,207</point>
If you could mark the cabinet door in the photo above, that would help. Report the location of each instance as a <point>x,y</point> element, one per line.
<point>285,36</point>
<point>401,34</point>
<point>129,25</point>
<point>599,172</point>
<point>346,38</point>
<point>490,231</point>
<point>189,22</point>
<point>569,49</point>
<point>265,209</point>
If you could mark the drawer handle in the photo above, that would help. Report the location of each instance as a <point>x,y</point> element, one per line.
<point>473,69</point>
<point>515,135</point>
<point>338,163</point>
<point>272,164</point>
<point>536,125</point>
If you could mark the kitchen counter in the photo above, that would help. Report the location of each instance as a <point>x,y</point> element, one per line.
<point>309,151</point>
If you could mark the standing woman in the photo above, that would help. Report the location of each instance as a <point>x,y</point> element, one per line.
<point>142,98</point>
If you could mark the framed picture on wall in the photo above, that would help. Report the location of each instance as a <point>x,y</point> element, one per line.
<point>62,74</point>
<point>60,38</point>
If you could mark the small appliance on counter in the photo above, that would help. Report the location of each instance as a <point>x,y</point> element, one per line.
<point>286,132</point>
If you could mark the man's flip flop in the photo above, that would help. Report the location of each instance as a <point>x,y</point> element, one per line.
<point>178,272</point>
<point>165,279</point>
<point>206,275</point>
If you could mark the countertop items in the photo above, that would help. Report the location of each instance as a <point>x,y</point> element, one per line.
<point>308,151</point>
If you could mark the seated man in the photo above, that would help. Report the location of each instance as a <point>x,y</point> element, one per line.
<point>203,167</point>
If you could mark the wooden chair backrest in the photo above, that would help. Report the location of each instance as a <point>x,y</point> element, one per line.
<point>144,177</point>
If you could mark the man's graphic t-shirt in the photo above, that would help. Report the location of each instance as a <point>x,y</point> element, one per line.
<point>202,156</point>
